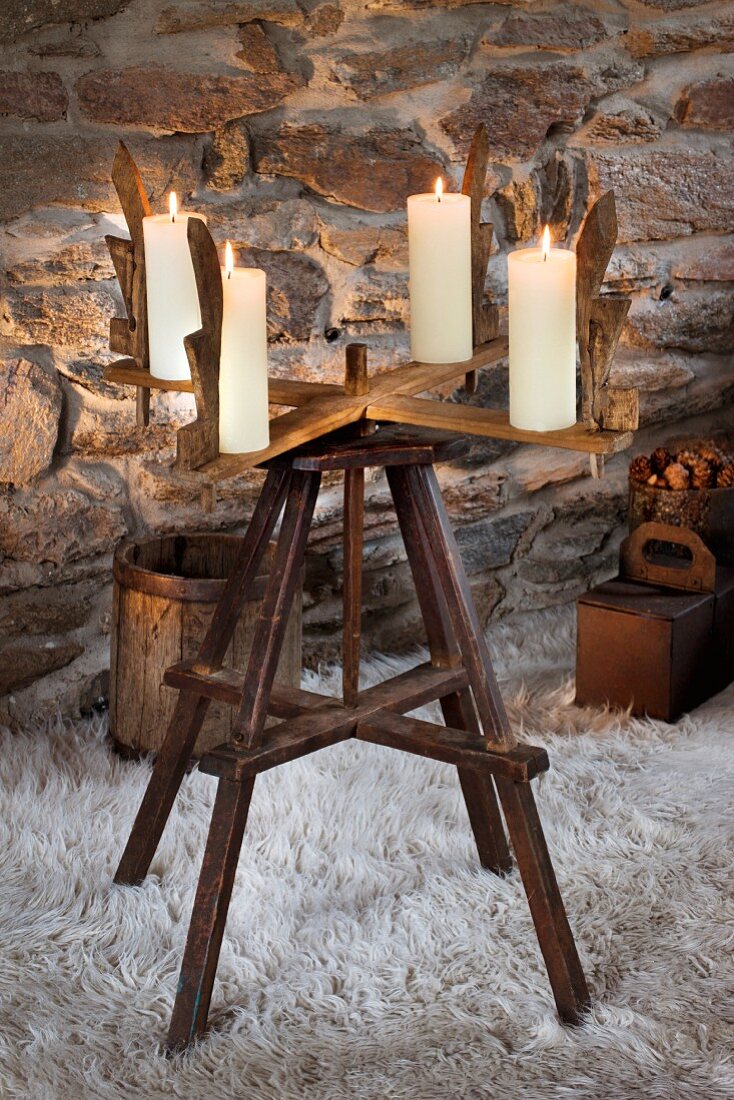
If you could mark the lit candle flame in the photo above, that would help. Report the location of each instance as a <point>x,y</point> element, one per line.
<point>228,260</point>
<point>546,242</point>
<point>439,189</point>
<point>173,205</point>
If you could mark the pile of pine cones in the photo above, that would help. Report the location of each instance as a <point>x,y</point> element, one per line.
<point>697,467</point>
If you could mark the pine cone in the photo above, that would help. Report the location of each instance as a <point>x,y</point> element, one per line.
<point>640,468</point>
<point>713,456</point>
<point>702,476</point>
<point>677,476</point>
<point>725,476</point>
<point>686,457</point>
<point>660,459</point>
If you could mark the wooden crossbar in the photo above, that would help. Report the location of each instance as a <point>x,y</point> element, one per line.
<point>281,391</point>
<point>521,763</point>
<point>319,726</point>
<point>225,686</point>
<point>493,423</point>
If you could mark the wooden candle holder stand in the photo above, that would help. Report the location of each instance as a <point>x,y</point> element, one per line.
<point>330,428</point>
<point>609,414</point>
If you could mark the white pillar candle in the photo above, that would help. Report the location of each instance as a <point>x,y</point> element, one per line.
<point>439,246</point>
<point>542,306</point>
<point>173,304</point>
<point>244,423</point>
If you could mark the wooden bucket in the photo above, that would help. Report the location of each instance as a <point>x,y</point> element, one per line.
<point>164,594</point>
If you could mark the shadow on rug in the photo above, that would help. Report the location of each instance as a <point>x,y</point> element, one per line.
<point>367,955</point>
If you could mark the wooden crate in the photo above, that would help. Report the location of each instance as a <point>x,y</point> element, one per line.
<point>660,637</point>
<point>164,595</point>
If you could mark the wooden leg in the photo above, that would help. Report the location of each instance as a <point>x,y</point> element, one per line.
<point>425,496</point>
<point>229,608</point>
<point>209,914</point>
<point>544,898</point>
<point>458,710</point>
<point>271,624</point>
<point>168,771</point>
<point>188,717</point>
<point>484,817</point>
<point>353,549</point>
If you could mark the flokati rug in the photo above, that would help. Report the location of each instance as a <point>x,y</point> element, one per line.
<point>367,954</point>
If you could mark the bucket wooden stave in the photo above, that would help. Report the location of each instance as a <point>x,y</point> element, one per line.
<point>164,594</point>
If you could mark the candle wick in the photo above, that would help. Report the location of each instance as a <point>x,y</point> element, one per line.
<point>229,274</point>
<point>438,198</point>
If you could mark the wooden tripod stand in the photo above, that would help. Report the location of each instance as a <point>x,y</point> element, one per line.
<point>477,737</point>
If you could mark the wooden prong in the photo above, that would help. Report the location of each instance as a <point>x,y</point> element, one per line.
<point>198,442</point>
<point>594,250</point>
<point>128,258</point>
<point>484,317</point>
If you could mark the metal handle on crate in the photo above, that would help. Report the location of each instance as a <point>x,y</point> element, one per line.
<point>696,575</point>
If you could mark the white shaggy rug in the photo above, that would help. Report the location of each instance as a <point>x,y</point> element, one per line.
<point>367,955</point>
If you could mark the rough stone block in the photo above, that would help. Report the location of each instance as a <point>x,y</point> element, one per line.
<point>519,103</point>
<point>57,526</point>
<point>691,320</point>
<point>621,122</point>
<point>664,193</point>
<point>166,99</point>
<point>22,662</point>
<point>75,171</point>
<point>29,420</point>
<point>20,17</point>
<point>324,20</point>
<point>681,33</point>
<point>52,610</point>
<point>72,317</point>
<point>197,15</point>
<point>295,289</point>
<point>258,52</point>
<point>410,65</point>
<point>382,246</point>
<point>227,158</point>
<point>262,222</point>
<point>708,104</point>
<point>563,28</point>
<point>40,96</point>
<point>715,262</point>
<point>376,170</point>
<point>490,543</point>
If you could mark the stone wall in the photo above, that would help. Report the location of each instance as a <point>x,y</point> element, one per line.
<point>300,127</point>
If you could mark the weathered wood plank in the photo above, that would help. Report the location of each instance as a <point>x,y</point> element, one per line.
<point>494,423</point>
<point>281,391</point>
